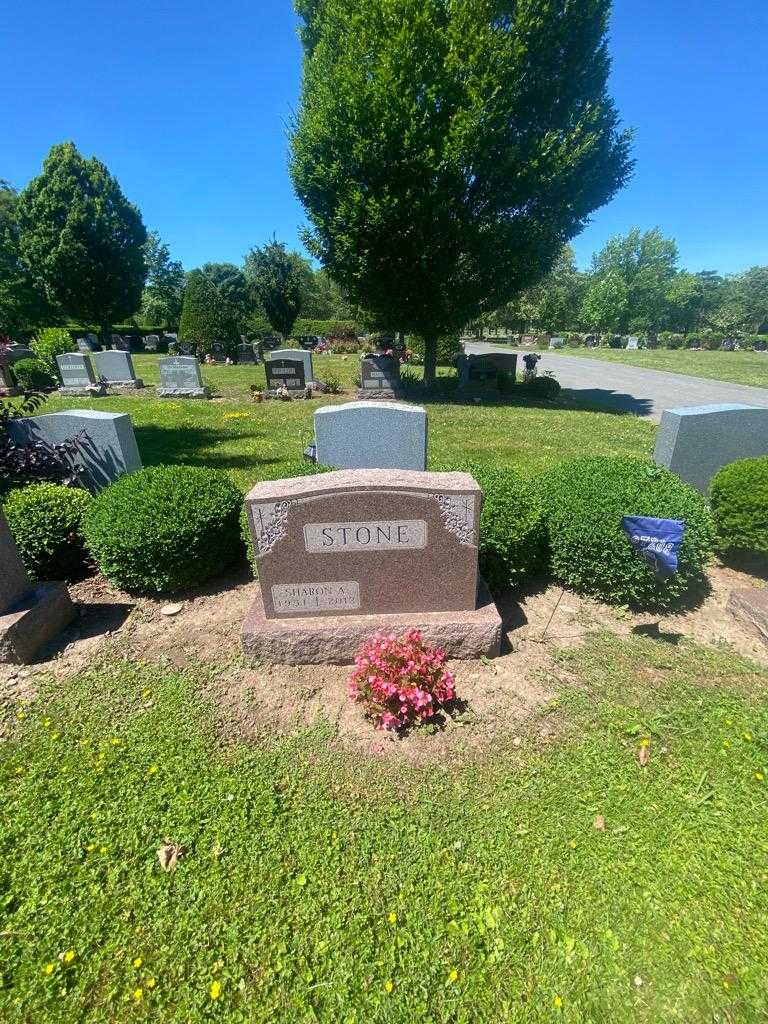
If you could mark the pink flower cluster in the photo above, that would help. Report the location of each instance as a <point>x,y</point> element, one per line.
<point>399,680</point>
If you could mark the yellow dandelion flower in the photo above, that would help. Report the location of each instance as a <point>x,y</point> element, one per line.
<point>90,847</point>
<point>388,986</point>
<point>55,735</point>
<point>392,917</point>
<point>50,968</point>
<point>152,770</point>
<point>115,741</point>
<point>47,723</point>
<point>215,989</point>
<point>572,844</point>
<point>19,770</point>
<point>138,993</point>
<point>557,1002</point>
<point>150,982</point>
<point>759,776</point>
<point>138,962</point>
<point>21,715</point>
<point>103,849</point>
<point>454,975</point>
<point>69,956</point>
<point>747,736</point>
<point>146,693</point>
<point>102,755</point>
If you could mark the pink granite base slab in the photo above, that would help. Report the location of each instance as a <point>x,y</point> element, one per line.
<point>336,641</point>
<point>749,606</point>
<point>34,622</point>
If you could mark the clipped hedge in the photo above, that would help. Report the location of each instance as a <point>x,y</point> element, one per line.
<point>512,533</point>
<point>33,375</point>
<point>165,528</point>
<point>584,500</point>
<point>739,495</point>
<point>46,523</point>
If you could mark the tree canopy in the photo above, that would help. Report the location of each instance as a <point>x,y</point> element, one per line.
<point>23,305</point>
<point>164,290</point>
<point>446,152</point>
<point>205,317</point>
<point>81,239</point>
<point>280,281</point>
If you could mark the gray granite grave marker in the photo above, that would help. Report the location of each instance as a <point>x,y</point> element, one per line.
<point>371,434</point>
<point>633,343</point>
<point>117,369</point>
<point>555,343</point>
<point>380,376</point>
<point>77,376</point>
<point>695,441</point>
<point>180,378</point>
<point>297,354</point>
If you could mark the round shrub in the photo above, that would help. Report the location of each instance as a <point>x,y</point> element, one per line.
<point>165,528</point>
<point>584,501</point>
<point>739,494</point>
<point>512,533</point>
<point>33,375</point>
<point>543,387</point>
<point>46,523</point>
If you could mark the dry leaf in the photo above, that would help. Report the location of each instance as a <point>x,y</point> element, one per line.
<point>599,823</point>
<point>644,755</point>
<point>169,854</point>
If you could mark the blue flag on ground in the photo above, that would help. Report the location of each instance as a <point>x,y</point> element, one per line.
<point>657,540</point>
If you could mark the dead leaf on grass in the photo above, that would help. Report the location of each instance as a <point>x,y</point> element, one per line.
<point>599,823</point>
<point>644,755</point>
<point>169,854</point>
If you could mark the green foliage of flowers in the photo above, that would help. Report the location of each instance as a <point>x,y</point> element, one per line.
<point>739,497</point>
<point>51,342</point>
<point>165,528</point>
<point>33,375</point>
<point>584,501</point>
<point>320,885</point>
<point>46,523</point>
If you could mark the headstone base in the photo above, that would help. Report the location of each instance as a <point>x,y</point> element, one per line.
<point>125,385</point>
<point>183,393</point>
<point>380,396</point>
<point>34,622</point>
<point>97,391</point>
<point>750,608</point>
<point>10,392</point>
<point>336,641</point>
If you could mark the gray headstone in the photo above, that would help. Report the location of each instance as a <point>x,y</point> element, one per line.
<point>152,342</point>
<point>14,584</point>
<point>380,373</point>
<point>246,352</point>
<point>180,378</point>
<point>556,343</point>
<point>116,368</point>
<point>633,343</point>
<point>109,453</point>
<point>296,353</point>
<point>75,370</point>
<point>695,441</point>
<point>371,435</point>
<point>482,371</point>
<point>18,352</point>
<point>286,373</point>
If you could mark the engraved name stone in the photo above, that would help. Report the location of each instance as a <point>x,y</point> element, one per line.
<point>384,535</point>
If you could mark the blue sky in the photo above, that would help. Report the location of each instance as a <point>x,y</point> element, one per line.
<point>187,103</point>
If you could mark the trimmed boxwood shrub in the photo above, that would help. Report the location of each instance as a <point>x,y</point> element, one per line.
<point>739,494</point>
<point>165,528</point>
<point>541,387</point>
<point>512,533</point>
<point>46,523</point>
<point>33,375</point>
<point>584,501</point>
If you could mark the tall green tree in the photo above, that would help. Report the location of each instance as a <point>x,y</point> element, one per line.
<point>605,303</point>
<point>23,305</point>
<point>81,239</point>
<point>204,318</point>
<point>752,291</point>
<point>445,152</point>
<point>646,262</point>
<point>235,295</point>
<point>280,281</point>
<point>163,293</point>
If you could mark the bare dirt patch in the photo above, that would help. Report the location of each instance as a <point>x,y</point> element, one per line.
<point>508,700</point>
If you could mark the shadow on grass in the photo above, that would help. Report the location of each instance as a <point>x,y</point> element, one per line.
<point>570,400</point>
<point>750,562</point>
<point>193,446</point>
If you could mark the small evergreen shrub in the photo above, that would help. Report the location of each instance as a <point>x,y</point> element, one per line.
<point>33,375</point>
<point>46,523</point>
<point>512,533</point>
<point>668,339</point>
<point>584,501</point>
<point>545,387</point>
<point>739,496</point>
<point>165,528</point>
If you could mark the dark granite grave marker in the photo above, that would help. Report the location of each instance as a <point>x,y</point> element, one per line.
<point>285,373</point>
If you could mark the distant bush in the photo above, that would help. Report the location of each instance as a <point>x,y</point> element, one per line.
<point>668,339</point>
<point>345,347</point>
<point>739,495</point>
<point>545,387</point>
<point>165,528</point>
<point>584,501</point>
<point>752,340</point>
<point>574,340</point>
<point>341,329</point>
<point>46,523</point>
<point>33,375</point>
<point>51,342</point>
<point>448,349</point>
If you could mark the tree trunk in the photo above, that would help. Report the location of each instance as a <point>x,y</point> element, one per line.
<point>106,336</point>
<point>430,360</point>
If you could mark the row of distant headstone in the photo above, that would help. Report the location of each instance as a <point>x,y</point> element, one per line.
<point>632,343</point>
<point>246,352</point>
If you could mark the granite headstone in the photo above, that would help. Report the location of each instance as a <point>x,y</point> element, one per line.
<point>696,441</point>
<point>296,354</point>
<point>116,368</point>
<point>371,435</point>
<point>77,375</point>
<point>380,375</point>
<point>555,343</point>
<point>285,373</point>
<point>180,378</point>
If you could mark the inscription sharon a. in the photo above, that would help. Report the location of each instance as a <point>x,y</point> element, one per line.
<point>315,597</point>
<point>378,535</point>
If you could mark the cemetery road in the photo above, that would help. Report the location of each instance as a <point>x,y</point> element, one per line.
<point>632,388</point>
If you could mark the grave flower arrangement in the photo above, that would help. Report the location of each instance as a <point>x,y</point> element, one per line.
<point>400,680</point>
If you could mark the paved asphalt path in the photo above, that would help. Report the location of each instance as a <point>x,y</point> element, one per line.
<point>632,388</point>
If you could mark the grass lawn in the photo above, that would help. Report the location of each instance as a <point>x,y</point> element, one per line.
<point>321,886</point>
<point>256,441</point>
<point>736,367</point>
